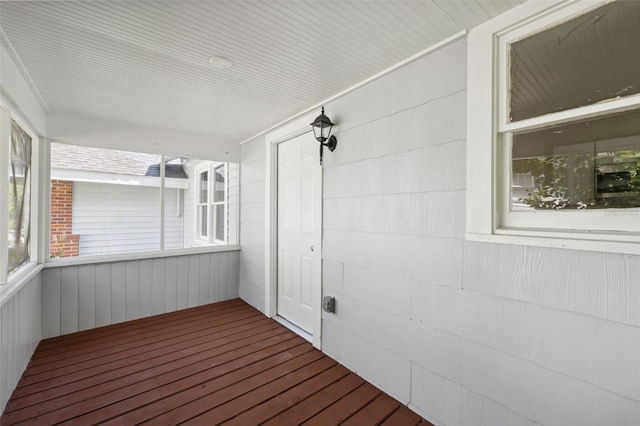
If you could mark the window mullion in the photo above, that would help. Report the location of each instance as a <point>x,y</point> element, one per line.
<point>210,213</point>
<point>44,197</point>
<point>502,84</point>
<point>503,156</point>
<point>226,203</point>
<point>590,111</point>
<point>162,201</point>
<point>5,149</point>
<point>34,210</point>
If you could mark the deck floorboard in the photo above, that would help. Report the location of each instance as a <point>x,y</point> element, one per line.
<point>214,364</point>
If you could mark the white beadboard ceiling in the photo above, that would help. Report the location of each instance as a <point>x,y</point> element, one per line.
<point>147,62</point>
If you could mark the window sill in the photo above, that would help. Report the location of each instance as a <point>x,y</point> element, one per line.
<point>110,258</point>
<point>611,243</point>
<point>18,280</point>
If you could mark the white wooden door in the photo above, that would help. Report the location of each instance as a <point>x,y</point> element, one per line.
<point>299,229</point>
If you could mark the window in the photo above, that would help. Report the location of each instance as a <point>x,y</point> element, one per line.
<point>212,203</point>
<point>554,120</point>
<point>19,151</point>
<point>589,164</point>
<point>107,202</point>
<point>19,198</point>
<point>203,205</point>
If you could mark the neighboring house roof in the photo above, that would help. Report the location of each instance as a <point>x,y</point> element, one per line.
<point>170,170</point>
<point>100,160</point>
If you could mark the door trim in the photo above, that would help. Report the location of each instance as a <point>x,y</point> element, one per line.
<point>283,134</point>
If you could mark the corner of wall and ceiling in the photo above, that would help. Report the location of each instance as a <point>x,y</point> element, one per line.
<point>6,43</point>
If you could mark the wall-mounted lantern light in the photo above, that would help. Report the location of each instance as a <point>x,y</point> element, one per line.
<point>322,131</point>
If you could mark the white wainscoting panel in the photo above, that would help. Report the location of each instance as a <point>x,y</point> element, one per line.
<point>86,297</point>
<point>77,298</point>
<point>20,333</point>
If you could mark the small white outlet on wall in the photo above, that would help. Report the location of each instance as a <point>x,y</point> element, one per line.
<point>329,304</point>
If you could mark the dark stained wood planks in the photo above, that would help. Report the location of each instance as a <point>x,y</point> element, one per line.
<point>214,364</point>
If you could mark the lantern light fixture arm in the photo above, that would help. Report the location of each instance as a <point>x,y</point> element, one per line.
<point>322,126</point>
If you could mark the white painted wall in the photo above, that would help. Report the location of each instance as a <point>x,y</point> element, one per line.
<point>252,226</point>
<point>20,333</point>
<point>123,218</point>
<point>466,333</point>
<point>76,298</point>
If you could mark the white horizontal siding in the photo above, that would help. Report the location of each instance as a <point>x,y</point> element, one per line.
<point>20,333</point>
<point>121,218</point>
<point>602,285</point>
<point>468,333</point>
<point>77,298</point>
<point>450,403</point>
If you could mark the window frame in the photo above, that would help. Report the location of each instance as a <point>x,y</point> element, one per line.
<point>199,205</point>
<point>488,155</point>
<point>224,202</point>
<point>194,246</point>
<point>7,114</point>
<point>210,239</point>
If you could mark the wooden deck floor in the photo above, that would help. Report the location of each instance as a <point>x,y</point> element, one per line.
<point>220,363</point>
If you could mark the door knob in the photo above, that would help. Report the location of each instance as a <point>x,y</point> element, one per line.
<point>311,248</point>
